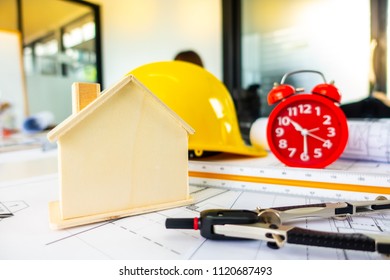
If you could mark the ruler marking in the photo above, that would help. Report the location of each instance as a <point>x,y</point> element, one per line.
<point>293,182</point>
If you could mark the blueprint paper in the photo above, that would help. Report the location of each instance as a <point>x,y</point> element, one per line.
<point>26,235</point>
<point>368,139</point>
<point>4,212</point>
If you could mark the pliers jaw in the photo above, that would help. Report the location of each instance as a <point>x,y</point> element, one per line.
<point>274,235</point>
<point>211,218</point>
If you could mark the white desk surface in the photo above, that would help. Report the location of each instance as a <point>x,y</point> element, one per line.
<point>29,181</point>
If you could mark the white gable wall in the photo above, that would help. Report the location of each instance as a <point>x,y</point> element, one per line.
<point>139,32</point>
<point>160,158</point>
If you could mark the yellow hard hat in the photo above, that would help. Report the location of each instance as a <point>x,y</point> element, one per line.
<point>202,101</point>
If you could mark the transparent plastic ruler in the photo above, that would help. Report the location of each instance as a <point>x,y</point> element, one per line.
<point>267,175</point>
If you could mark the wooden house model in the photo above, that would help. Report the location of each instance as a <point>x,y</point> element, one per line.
<point>122,152</point>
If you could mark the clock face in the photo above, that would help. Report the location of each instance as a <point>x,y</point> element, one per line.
<point>307,130</point>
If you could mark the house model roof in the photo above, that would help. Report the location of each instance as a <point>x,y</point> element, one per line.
<point>103,97</point>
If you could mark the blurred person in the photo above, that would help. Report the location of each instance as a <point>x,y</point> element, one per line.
<point>189,56</point>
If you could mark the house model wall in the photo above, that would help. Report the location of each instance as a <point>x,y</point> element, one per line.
<point>122,152</point>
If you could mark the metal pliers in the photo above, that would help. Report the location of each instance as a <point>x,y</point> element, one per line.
<point>269,225</point>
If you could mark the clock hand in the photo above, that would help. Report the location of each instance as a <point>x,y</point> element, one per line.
<point>296,125</point>
<point>304,132</point>
<point>299,128</point>
<point>305,150</point>
<point>327,143</point>
<point>316,137</point>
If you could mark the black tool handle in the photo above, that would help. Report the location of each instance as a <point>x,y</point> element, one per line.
<point>354,241</point>
<point>179,223</point>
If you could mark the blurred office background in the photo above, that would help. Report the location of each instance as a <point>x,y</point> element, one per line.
<point>247,44</point>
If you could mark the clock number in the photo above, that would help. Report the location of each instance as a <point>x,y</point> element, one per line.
<point>327,144</point>
<point>292,152</point>
<point>317,153</point>
<point>279,132</point>
<point>318,110</point>
<point>292,111</point>
<point>284,121</point>
<point>283,143</point>
<point>305,108</point>
<point>328,120</point>
<point>300,109</point>
<point>331,132</point>
<point>304,157</point>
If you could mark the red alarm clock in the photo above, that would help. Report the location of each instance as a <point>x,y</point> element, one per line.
<point>306,129</point>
